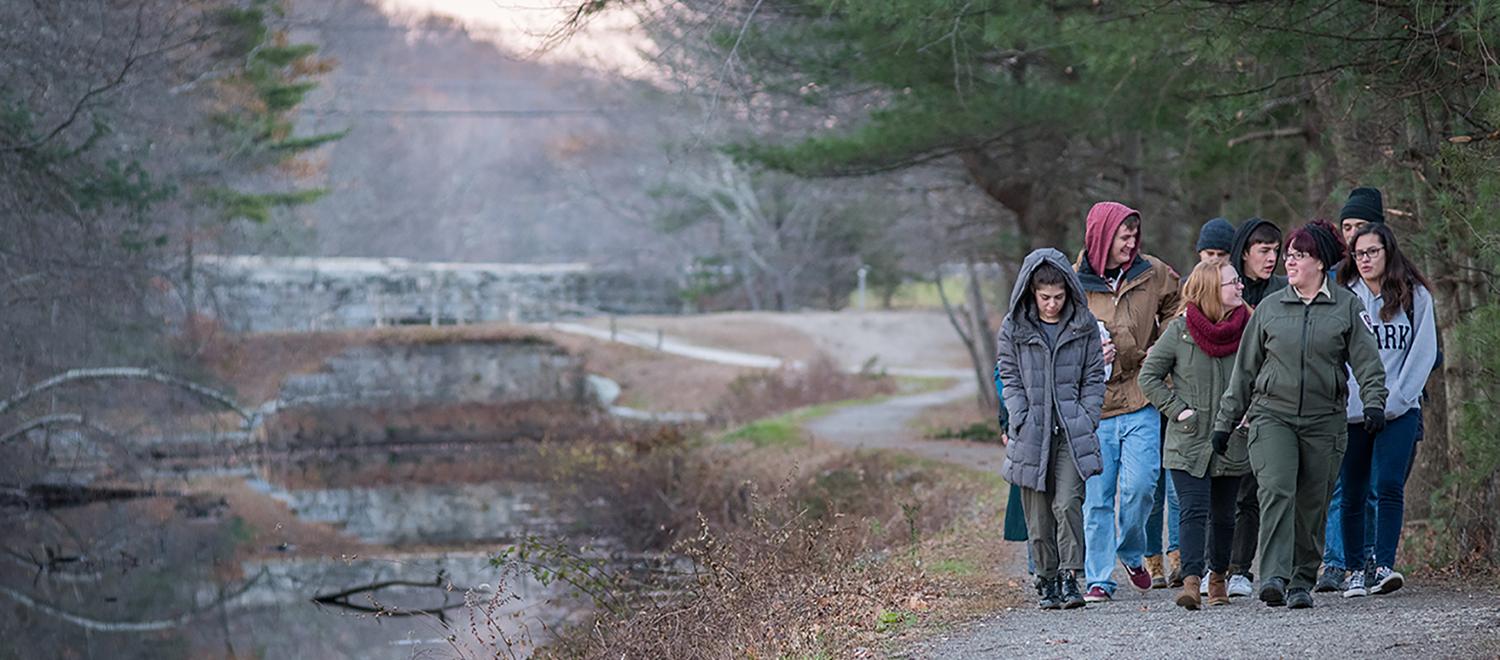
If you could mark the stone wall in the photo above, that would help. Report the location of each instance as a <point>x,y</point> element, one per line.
<point>258,294</point>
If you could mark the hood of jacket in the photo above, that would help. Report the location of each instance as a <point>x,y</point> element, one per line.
<point>1255,290</point>
<point>1104,220</point>
<point>1021,305</point>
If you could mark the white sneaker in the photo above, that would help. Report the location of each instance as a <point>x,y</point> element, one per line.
<point>1239,585</point>
<point>1386,581</point>
<point>1354,586</point>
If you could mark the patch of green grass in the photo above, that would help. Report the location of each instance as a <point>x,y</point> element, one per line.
<point>786,428</point>
<point>921,384</point>
<point>775,431</point>
<point>923,294</point>
<point>889,621</point>
<point>954,566</point>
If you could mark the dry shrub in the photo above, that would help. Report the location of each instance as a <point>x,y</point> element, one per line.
<point>821,380</point>
<point>824,564</point>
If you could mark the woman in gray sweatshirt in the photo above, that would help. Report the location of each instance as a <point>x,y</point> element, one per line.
<point>1398,309</point>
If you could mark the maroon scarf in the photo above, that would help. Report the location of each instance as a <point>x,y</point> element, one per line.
<point>1217,339</point>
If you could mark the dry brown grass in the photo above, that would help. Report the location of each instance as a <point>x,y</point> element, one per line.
<point>651,380</point>
<point>795,551</point>
<point>764,393</point>
<point>948,419</point>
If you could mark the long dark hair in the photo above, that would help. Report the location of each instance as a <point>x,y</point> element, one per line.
<point>1398,282</point>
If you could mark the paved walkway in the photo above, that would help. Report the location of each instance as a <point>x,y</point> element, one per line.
<point>886,425</point>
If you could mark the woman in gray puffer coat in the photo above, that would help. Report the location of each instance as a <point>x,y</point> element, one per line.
<point>1051,363</point>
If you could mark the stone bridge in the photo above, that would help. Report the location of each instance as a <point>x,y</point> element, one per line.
<point>257,294</point>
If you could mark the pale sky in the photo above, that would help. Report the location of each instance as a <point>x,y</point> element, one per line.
<point>612,41</point>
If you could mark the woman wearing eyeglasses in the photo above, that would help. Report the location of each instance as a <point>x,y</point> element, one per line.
<point>1290,377</point>
<point>1197,351</point>
<point>1398,307</point>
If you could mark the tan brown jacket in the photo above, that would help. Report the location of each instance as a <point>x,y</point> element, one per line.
<point>1146,298</point>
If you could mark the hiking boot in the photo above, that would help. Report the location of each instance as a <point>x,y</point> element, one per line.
<point>1387,580</point>
<point>1097,594</point>
<point>1190,599</point>
<point>1332,579</point>
<point>1047,590</point>
<point>1218,590</point>
<point>1355,586</point>
<point>1174,576</point>
<point>1158,575</point>
<point>1273,592</point>
<point>1298,599</point>
<point>1140,578</point>
<point>1068,585</point>
<point>1240,586</point>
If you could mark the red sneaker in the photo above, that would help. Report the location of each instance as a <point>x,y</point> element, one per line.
<point>1139,576</point>
<point>1096,595</point>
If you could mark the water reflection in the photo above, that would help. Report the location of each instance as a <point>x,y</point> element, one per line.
<point>215,564</point>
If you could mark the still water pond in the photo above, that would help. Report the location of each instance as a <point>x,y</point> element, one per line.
<point>291,557</point>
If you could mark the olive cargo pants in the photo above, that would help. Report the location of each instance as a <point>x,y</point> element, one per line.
<point>1295,461</point>
<point>1054,519</point>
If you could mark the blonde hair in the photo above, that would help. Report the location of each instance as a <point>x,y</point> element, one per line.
<point>1202,289</point>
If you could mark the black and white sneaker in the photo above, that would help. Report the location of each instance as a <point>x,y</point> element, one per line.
<point>1354,587</point>
<point>1387,580</point>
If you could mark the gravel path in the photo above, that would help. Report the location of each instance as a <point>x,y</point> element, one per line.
<point>1419,621</point>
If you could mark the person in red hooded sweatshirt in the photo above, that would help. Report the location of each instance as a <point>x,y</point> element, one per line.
<point>1134,295</point>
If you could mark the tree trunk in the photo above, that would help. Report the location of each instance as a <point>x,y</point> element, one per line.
<point>983,337</point>
<point>1025,198</point>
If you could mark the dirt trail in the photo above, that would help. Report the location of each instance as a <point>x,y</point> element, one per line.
<point>1422,620</point>
<point>886,425</point>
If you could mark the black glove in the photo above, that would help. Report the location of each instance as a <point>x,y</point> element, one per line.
<point>1221,442</point>
<point>1374,421</point>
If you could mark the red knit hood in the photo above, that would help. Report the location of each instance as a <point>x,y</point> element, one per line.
<point>1104,220</point>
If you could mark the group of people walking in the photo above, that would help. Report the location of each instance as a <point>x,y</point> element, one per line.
<point>1256,414</point>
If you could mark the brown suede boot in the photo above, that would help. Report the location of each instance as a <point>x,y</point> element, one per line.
<point>1174,562</point>
<point>1190,598</point>
<point>1218,589</point>
<point>1158,576</point>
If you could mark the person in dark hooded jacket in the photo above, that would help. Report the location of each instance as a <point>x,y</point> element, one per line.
<point>1254,255</point>
<point>1051,364</point>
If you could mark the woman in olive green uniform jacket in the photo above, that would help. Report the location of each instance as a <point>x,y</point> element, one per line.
<point>1197,351</point>
<point>1290,377</point>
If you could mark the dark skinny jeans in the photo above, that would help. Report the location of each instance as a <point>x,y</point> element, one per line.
<point>1203,502</point>
<point>1381,462</point>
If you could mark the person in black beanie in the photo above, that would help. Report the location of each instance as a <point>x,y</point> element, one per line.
<point>1215,239</point>
<point>1364,207</point>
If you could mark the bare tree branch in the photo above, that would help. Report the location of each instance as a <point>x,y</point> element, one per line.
<point>1272,134</point>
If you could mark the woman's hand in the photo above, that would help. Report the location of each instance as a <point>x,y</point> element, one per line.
<point>1109,352</point>
<point>1004,439</point>
<point>1186,414</point>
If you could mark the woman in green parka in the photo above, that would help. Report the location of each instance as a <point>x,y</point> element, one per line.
<point>1197,351</point>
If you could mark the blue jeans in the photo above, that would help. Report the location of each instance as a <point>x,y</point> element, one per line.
<point>1333,534</point>
<point>1376,469</point>
<point>1163,509</point>
<point>1130,446</point>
